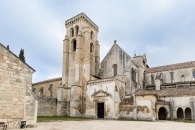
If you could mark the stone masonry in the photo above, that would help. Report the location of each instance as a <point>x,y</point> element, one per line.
<point>17,103</point>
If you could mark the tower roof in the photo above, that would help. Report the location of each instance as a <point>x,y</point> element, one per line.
<point>81,15</point>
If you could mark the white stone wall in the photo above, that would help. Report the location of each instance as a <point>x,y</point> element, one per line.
<point>179,102</point>
<point>187,72</point>
<point>149,102</point>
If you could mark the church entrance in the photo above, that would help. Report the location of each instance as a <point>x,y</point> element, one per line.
<point>100,111</point>
<point>162,114</point>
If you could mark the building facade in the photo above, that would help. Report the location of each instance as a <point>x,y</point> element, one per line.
<point>17,101</point>
<point>120,86</point>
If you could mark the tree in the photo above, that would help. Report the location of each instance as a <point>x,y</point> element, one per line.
<point>8,47</point>
<point>21,55</point>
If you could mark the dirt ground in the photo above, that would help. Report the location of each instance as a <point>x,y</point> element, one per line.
<point>113,125</point>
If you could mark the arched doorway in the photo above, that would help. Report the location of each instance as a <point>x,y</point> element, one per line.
<point>188,115</point>
<point>180,113</point>
<point>162,113</point>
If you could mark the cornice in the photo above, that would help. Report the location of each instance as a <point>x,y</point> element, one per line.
<point>81,15</point>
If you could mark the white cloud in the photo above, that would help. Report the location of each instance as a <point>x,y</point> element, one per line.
<point>163,29</point>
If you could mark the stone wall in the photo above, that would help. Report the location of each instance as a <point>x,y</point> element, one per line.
<point>47,88</point>
<point>15,76</point>
<point>47,106</point>
<point>31,105</point>
<point>187,74</point>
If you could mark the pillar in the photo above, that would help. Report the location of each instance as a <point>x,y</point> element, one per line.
<point>97,58</point>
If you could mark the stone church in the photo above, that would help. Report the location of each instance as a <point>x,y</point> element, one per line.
<point>121,86</point>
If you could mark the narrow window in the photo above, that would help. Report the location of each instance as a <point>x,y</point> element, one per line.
<point>115,70</point>
<point>172,78</point>
<point>74,45</point>
<point>133,75</point>
<point>152,79</point>
<point>50,90</point>
<point>91,35</point>
<point>194,75</point>
<point>77,30</point>
<point>91,47</point>
<point>143,83</point>
<point>41,92</point>
<point>72,32</point>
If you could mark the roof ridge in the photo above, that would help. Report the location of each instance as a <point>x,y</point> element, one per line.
<point>16,56</point>
<point>171,67</point>
<point>53,79</point>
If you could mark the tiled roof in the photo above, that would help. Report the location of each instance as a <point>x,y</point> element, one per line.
<point>171,67</point>
<point>168,92</point>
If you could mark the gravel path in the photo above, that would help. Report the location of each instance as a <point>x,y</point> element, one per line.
<point>113,125</point>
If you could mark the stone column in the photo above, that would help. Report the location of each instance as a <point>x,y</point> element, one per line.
<point>172,109</point>
<point>65,65</point>
<point>97,58</point>
<point>135,108</point>
<point>192,107</point>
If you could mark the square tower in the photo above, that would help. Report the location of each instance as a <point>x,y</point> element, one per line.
<point>81,59</point>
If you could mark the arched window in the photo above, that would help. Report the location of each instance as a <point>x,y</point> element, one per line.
<point>91,35</point>
<point>72,32</point>
<point>91,47</point>
<point>152,79</point>
<point>193,73</point>
<point>41,92</point>
<point>50,90</point>
<point>115,70</point>
<point>34,90</point>
<point>172,77</point>
<point>74,45</point>
<point>77,30</point>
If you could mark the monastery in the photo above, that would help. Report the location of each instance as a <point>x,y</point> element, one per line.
<point>120,86</point>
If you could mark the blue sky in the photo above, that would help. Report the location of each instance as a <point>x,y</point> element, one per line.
<point>163,29</point>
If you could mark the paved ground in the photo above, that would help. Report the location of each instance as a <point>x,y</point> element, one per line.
<point>113,125</point>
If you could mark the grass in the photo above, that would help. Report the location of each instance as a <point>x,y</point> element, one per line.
<point>128,119</point>
<point>185,121</point>
<point>67,118</point>
<point>60,118</point>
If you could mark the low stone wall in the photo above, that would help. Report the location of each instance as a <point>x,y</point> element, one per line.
<point>47,106</point>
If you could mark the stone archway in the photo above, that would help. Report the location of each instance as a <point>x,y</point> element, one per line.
<point>162,113</point>
<point>188,114</point>
<point>180,113</point>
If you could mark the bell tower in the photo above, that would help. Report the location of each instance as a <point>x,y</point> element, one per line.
<point>81,59</point>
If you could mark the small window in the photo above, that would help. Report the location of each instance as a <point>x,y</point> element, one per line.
<point>115,70</point>
<point>152,79</point>
<point>91,35</point>
<point>91,47</point>
<point>74,45</point>
<point>72,32</point>
<point>172,77</point>
<point>194,75</point>
<point>77,30</point>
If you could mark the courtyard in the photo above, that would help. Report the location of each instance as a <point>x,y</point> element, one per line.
<point>113,125</point>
